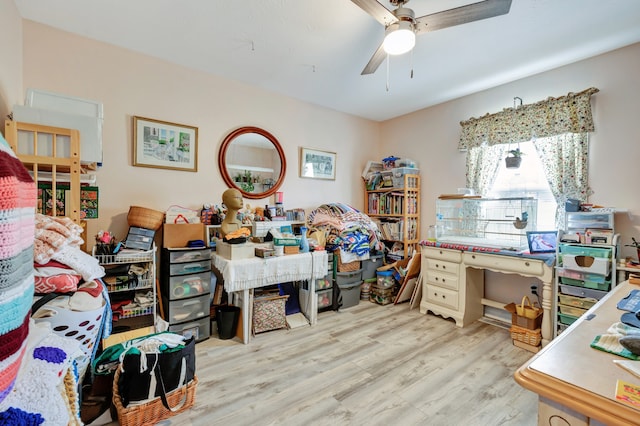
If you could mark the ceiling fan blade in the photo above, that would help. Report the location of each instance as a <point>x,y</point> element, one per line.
<point>377,10</point>
<point>375,61</point>
<point>462,15</point>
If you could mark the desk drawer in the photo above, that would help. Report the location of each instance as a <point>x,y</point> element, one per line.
<point>442,279</point>
<point>442,266</point>
<point>442,296</point>
<point>504,263</point>
<point>442,254</point>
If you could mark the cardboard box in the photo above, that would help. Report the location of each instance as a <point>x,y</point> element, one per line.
<point>178,235</point>
<point>589,264</point>
<point>235,251</point>
<point>526,346</point>
<point>264,252</point>
<point>291,249</point>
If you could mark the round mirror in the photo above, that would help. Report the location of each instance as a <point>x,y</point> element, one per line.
<point>252,161</point>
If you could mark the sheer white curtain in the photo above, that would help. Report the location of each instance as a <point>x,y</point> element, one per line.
<point>559,127</point>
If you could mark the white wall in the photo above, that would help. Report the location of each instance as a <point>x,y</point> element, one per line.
<point>11,62</point>
<point>431,136</point>
<point>130,84</point>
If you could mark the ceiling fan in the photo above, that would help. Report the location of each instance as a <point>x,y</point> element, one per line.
<point>401,25</point>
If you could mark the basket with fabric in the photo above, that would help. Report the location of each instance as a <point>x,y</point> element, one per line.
<point>348,266</point>
<point>153,411</point>
<point>530,337</point>
<point>527,310</point>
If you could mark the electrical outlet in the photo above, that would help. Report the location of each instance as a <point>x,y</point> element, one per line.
<point>534,289</point>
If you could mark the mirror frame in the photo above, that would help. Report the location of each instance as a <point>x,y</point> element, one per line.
<point>223,168</point>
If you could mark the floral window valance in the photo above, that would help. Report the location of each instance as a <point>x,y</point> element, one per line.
<point>553,116</point>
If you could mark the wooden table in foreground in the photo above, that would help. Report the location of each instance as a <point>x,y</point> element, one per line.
<point>575,382</point>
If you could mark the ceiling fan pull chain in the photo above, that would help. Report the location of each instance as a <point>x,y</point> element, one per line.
<point>412,63</point>
<point>388,60</point>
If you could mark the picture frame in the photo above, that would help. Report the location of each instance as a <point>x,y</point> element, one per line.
<point>164,145</point>
<point>316,164</point>
<point>542,241</point>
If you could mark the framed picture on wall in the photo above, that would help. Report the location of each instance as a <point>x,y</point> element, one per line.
<point>164,145</point>
<point>317,164</point>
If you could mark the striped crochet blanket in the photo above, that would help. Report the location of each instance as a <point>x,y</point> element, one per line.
<point>17,210</point>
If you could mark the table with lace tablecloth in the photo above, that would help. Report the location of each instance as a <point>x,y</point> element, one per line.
<point>242,275</point>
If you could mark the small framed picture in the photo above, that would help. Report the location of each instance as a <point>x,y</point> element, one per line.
<point>164,145</point>
<point>316,164</point>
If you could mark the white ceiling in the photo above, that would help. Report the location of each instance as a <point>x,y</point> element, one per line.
<point>314,50</point>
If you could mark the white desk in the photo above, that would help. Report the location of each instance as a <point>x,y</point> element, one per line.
<point>240,276</point>
<point>453,283</point>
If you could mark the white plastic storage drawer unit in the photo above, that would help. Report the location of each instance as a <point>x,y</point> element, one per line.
<point>185,284</point>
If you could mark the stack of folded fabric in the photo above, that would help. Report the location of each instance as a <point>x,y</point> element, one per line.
<point>347,229</point>
<point>618,339</point>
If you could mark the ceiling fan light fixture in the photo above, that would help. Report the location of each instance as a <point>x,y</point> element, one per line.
<point>399,38</point>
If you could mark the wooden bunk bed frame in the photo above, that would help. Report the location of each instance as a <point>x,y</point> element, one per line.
<point>42,148</point>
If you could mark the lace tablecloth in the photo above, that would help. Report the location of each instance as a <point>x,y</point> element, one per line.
<point>244,274</point>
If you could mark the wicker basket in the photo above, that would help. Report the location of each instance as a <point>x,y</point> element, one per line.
<point>152,412</point>
<point>143,217</point>
<point>346,267</point>
<point>530,337</point>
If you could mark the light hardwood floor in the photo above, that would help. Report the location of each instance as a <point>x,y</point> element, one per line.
<point>365,365</point>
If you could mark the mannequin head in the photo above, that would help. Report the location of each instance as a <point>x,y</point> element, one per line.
<point>232,198</point>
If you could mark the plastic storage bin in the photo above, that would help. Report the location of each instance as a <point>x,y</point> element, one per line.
<point>365,288</point>
<point>325,298</point>
<point>571,310</point>
<point>385,279</point>
<point>323,283</point>
<point>199,329</point>
<point>582,292</point>
<point>348,277</point>
<point>586,251</point>
<point>588,264</point>
<point>350,294</point>
<point>398,175</point>
<point>579,302</point>
<point>567,319</point>
<point>370,266</point>
<point>604,286</point>
<point>380,295</point>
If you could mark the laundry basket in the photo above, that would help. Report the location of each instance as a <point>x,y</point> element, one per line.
<point>84,326</point>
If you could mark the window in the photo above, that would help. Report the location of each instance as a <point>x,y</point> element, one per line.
<point>526,181</point>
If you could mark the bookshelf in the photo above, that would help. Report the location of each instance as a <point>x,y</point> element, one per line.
<point>396,210</point>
